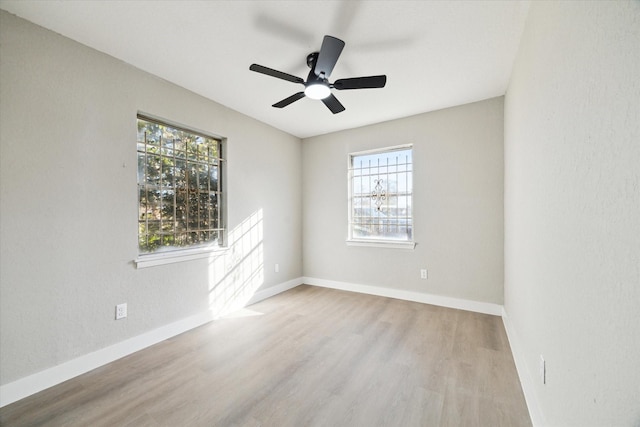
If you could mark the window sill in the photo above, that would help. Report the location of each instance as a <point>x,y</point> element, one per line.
<point>382,244</point>
<point>162,258</point>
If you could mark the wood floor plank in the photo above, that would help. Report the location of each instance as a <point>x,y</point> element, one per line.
<point>308,357</point>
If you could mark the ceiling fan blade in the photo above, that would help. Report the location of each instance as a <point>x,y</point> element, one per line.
<point>275,73</point>
<point>328,56</point>
<point>293,98</point>
<point>371,82</point>
<point>333,104</point>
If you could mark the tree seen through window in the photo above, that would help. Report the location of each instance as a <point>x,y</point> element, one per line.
<point>179,188</point>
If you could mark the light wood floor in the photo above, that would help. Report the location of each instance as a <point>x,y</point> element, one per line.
<point>313,357</point>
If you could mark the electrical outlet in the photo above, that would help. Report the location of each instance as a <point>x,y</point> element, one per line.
<point>121,311</point>
<point>543,370</point>
<point>277,268</point>
<point>424,273</point>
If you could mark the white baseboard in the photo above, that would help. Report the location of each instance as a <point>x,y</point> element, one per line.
<point>526,380</point>
<point>275,290</point>
<point>461,304</point>
<point>39,381</point>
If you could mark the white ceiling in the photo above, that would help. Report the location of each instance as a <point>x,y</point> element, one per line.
<point>436,54</point>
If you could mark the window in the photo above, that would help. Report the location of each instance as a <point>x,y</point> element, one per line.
<point>380,196</point>
<point>180,188</point>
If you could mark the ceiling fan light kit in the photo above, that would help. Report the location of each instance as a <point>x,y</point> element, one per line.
<point>317,91</point>
<point>317,85</point>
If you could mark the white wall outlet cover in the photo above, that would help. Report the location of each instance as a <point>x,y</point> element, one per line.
<point>121,311</point>
<point>543,370</point>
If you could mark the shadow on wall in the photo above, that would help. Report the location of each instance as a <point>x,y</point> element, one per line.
<point>236,274</point>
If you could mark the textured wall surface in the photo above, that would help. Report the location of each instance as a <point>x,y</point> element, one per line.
<point>572,209</point>
<point>68,215</point>
<point>458,205</point>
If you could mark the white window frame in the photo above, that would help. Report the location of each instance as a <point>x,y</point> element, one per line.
<point>187,253</point>
<point>382,243</point>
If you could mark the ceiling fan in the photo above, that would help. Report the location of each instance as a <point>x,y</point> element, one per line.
<point>317,85</point>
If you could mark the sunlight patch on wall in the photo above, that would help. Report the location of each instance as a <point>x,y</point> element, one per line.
<point>236,274</point>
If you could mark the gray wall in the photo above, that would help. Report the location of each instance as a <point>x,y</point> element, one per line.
<point>458,205</point>
<point>572,209</point>
<point>69,202</point>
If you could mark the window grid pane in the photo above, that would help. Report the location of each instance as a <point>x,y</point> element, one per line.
<point>178,188</point>
<point>381,191</point>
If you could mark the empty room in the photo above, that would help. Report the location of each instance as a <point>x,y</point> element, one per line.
<point>319,213</point>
